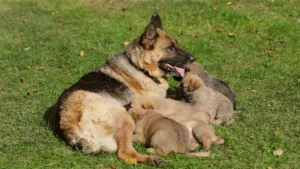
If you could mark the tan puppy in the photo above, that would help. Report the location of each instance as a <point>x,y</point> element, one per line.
<point>218,106</point>
<point>162,134</point>
<point>212,82</point>
<point>194,119</point>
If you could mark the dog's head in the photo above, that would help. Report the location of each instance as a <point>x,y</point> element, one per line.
<point>158,53</point>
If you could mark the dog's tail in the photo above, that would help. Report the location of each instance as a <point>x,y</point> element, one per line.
<point>202,153</point>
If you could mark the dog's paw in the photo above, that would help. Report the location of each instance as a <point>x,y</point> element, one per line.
<point>191,83</point>
<point>157,162</point>
<point>151,151</point>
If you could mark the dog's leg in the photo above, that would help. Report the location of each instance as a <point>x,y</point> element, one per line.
<point>225,113</point>
<point>216,122</point>
<point>217,140</point>
<point>138,137</point>
<point>126,152</point>
<point>230,122</point>
<point>206,135</point>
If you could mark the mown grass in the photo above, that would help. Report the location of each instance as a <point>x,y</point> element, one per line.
<point>253,45</point>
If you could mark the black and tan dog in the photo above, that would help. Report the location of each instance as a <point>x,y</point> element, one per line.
<point>91,113</point>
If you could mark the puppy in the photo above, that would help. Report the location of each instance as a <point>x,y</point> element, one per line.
<point>162,134</point>
<point>211,82</point>
<point>195,120</point>
<point>213,102</point>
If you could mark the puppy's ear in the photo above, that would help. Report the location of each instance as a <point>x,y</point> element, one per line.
<point>156,21</point>
<point>147,106</point>
<point>149,37</point>
<point>195,84</point>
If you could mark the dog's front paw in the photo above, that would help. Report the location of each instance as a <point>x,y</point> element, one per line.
<point>157,162</point>
<point>191,83</point>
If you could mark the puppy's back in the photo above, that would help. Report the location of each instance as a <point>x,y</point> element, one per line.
<point>164,134</point>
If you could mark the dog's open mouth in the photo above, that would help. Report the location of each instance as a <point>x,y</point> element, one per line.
<point>173,70</point>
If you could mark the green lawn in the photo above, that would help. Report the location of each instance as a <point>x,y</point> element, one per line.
<point>253,45</point>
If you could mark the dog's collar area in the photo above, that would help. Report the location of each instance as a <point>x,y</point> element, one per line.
<point>142,70</point>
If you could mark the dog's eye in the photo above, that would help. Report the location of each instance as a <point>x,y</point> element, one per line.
<point>172,47</point>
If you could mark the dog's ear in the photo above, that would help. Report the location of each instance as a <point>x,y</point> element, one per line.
<point>156,21</point>
<point>149,37</point>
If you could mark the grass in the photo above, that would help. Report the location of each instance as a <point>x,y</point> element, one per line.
<point>253,45</point>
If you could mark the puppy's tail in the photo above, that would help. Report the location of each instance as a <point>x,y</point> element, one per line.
<point>202,153</point>
<point>238,111</point>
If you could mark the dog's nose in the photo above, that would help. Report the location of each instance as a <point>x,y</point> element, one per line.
<point>192,58</point>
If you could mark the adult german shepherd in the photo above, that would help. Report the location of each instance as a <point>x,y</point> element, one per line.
<point>90,114</point>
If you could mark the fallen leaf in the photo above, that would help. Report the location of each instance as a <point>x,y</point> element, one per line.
<point>229,3</point>
<point>253,91</point>
<point>130,161</point>
<point>40,68</point>
<point>110,167</point>
<point>23,79</point>
<point>28,95</point>
<point>252,137</point>
<point>53,163</point>
<point>35,91</point>
<point>59,20</point>
<point>81,53</point>
<point>231,35</point>
<point>278,152</point>
<point>26,49</point>
<point>126,43</point>
<point>25,138</point>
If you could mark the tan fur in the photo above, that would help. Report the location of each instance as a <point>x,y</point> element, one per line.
<point>164,135</point>
<point>168,107</point>
<point>194,119</point>
<point>205,98</point>
<point>134,79</point>
<point>212,82</point>
<point>161,133</point>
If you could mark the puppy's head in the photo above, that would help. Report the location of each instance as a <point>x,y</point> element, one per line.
<point>158,53</point>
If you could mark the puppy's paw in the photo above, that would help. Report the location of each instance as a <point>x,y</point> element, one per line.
<point>219,141</point>
<point>191,83</point>
<point>136,113</point>
<point>157,162</point>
